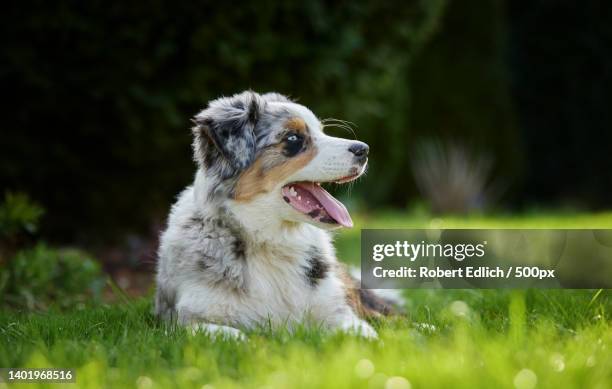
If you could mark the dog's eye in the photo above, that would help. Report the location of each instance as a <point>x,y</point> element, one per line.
<point>293,144</point>
<point>294,138</point>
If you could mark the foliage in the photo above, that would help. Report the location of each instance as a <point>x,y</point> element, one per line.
<point>96,128</point>
<point>19,218</point>
<point>35,278</point>
<point>39,277</point>
<point>460,94</point>
<point>110,114</point>
<point>452,178</point>
<point>18,214</point>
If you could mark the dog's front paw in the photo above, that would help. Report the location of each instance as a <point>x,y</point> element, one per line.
<point>361,328</point>
<point>218,331</point>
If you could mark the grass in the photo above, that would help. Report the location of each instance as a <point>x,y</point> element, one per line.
<point>450,338</point>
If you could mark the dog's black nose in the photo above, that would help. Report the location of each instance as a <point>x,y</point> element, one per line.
<point>360,149</point>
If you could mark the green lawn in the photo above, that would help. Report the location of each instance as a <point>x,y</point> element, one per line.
<point>450,338</point>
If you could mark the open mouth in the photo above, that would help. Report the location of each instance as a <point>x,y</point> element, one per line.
<point>312,200</point>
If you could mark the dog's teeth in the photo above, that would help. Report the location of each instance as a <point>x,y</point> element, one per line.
<point>292,192</point>
<point>299,197</point>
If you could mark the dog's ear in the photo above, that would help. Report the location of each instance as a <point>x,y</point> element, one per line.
<point>228,123</point>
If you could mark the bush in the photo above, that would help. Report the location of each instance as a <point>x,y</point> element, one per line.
<point>42,276</point>
<point>18,221</point>
<point>37,277</point>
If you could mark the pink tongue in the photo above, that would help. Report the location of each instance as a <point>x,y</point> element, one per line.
<point>334,208</point>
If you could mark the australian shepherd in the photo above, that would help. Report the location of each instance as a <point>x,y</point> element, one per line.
<point>249,243</point>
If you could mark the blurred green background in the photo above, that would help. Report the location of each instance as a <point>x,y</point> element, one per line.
<point>467,105</point>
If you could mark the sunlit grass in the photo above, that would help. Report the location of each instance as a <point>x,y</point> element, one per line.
<point>348,242</point>
<point>449,339</point>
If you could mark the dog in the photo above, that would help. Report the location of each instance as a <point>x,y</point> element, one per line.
<point>249,242</point>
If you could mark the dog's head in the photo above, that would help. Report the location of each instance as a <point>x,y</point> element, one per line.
<point>271,154</point>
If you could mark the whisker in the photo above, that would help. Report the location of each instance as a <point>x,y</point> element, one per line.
<point>349,123</point>
<point>344,127</point>
<point>340,126</point>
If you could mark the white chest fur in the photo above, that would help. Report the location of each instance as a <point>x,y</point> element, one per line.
<point>277,290</point>
<point>208,274</point>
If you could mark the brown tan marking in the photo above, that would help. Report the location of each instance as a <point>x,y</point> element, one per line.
<point>296,124</point>
<point>352,293</point>
<point>272,167</point>
<point>268,170</point>
<point>364,303</point>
